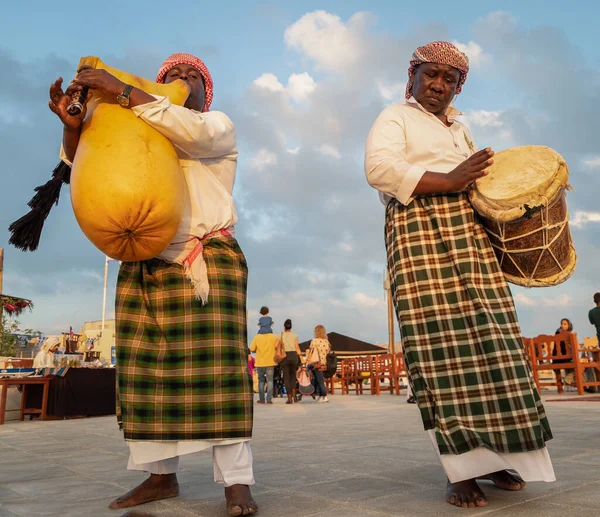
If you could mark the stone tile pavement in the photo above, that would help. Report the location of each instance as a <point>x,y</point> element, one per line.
<point>359,456</point>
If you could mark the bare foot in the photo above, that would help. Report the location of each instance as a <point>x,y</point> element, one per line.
<point>239,500</point>
<point>156,487</point>
<point>465,494</point>
<point>506,479</point>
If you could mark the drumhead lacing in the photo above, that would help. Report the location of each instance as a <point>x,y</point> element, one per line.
<point>546,227</point>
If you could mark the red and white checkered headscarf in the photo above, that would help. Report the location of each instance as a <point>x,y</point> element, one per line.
<point>182,58</point>
<point>440,52</point>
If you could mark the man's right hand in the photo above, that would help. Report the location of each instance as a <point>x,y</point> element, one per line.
<point>470,170</point>
<point>59,101</point>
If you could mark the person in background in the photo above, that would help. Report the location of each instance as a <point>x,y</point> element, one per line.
<point>251,364</point>
<point>291,362</point>
<point>316,361</point>
<point>265,322</point>
<point>565,325</point>
<point>594,315</point>
<point>45,357</point>
<point>264,346</point>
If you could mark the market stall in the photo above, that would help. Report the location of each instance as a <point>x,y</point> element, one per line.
<point>78,392</point>
<point>81,384</point>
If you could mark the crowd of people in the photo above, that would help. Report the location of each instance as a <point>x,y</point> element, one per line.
<point>278,361</point>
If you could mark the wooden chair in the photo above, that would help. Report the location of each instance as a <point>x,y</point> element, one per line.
<point>540,352</point>
<point>330,381</point>
<point>590,364</point>
<point>385,368</point>
<point>400,370</point>
<point>347,374</point>
<point>364,372</point>
<point>354,372</point>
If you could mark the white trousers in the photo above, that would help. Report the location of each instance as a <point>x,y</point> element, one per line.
<point>531,466</point>
<point>232,464</point>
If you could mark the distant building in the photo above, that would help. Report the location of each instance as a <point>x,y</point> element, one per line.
<point>106,339</point>
<point>345,345</point>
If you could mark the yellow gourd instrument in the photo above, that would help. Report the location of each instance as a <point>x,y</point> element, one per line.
<point>127,189</point>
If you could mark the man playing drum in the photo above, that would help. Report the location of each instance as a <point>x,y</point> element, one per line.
<point>183,382</point>
<point>460,334</point>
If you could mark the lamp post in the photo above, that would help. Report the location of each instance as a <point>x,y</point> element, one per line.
<point>388,290</point>
<point>104,300</point>
<point>392,344</point>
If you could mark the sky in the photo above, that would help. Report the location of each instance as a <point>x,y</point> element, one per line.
<point>303,82</point>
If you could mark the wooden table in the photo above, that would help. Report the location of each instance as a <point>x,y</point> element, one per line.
<point>24,381</point>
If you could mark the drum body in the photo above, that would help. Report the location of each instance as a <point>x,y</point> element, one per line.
<point>522,205</point>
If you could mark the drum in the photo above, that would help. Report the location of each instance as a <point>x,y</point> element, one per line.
<point>522,205</point>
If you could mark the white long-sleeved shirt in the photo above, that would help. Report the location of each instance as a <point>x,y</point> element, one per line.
<point>405,142</point>
<point>207,150</point>
<point>43,359</point>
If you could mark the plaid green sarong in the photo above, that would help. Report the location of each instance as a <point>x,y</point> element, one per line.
<point>460,334</point>
<point>182,367</point>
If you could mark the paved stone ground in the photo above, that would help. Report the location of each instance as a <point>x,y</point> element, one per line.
<point>356,456</point>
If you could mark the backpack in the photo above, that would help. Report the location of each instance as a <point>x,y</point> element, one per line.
<point>331,361</point>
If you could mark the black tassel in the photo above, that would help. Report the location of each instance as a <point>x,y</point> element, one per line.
<point>26,231</point>
<point>49,193</point>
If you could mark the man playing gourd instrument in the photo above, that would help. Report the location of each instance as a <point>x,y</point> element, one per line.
<point>183,382</point>
<point>460,334</point>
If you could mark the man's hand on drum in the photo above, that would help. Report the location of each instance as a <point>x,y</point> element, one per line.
<point>470,170</point>
<point>100,80</point>
<point>59,101</point>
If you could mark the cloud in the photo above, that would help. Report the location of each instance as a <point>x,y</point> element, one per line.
<point>300,86</point>
<point>523,299</point>
<point>490,128</point>
<point>269,82</point>
<point>364,300</point>
<point>485,118</point>
<point>298,89</point>
<point>263,159</point>
<point>562,299</point>
<point>473,51</point>
<point>580,219</point>
<point>391,92</point>
<point>326,40</point>
<point>592,163</point>
<point>330,150</point>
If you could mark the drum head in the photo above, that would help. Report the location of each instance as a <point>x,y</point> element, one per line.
<point>521,178</point>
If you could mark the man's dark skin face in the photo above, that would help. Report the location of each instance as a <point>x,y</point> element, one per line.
<point>193,78</point>
<point>434,87</point>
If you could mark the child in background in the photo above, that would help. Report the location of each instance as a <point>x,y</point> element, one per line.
<point>253,372</point>
<point>265,322</point>
<point>250,364</point>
